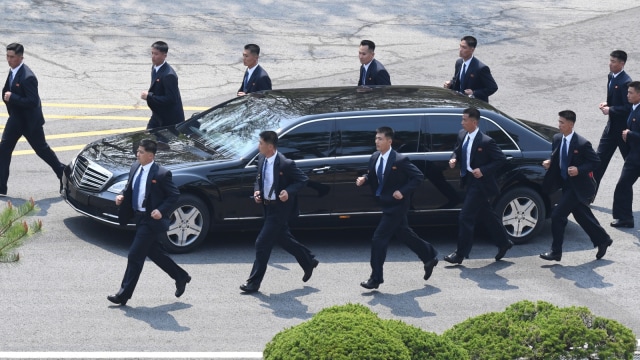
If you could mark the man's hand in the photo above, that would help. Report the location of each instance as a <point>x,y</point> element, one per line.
<point>156,214</point>
<point>546,164</point>
<point>624,134</point>
<point>144,94</point>
<point>256,197</point>
<point>284,195</point>
<point>7,95</point>
<point>119,199</point>
<point>360,181</point>
<point>452,163</point>
<point>397,195</point>
<point>477,173</point>
<point>572,171</point>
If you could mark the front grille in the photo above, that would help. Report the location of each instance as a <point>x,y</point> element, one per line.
<point>90,176</point>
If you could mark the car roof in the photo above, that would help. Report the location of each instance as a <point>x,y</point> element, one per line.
<point>313,101</point>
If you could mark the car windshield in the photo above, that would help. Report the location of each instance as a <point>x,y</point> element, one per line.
<point>233,127</point>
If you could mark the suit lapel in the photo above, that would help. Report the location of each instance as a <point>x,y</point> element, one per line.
<point>276,171</point>
<point>572,146</point>
<point>152,173</point>
<point>391,159</point>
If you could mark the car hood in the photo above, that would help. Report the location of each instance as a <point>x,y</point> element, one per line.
<point>117,153</point>
<point>545,130</point>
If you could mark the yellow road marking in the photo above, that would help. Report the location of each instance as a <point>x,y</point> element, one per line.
<point>56,149</point>
<point>90,133</point>
<point>117,107</point>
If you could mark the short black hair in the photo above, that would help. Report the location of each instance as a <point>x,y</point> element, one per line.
<point>470,40</point>
<point>635,85</point>
<point>161,46</point>
<point>620,55</point>
<point>270,137</point>
<point>369,43</point>
<point>253,48</point>
<point>17,48</point>
<point>568,114</point>
<point>149,145</point>
<point>472,113</point>
<point>387,131</point>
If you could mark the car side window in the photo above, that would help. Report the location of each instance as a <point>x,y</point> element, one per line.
<point>310,140</point>
<point>497,134</point>
<point>443,130</point>
<point>357,135</point>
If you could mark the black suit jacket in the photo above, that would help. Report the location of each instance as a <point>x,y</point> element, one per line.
<point>619,106</point>
<point>161,193</point>
<point>399,174</point>
<point>164,98</point>
<point>376,75</point>
<point>580,155</point>
<point>24,105</point>
<point>258,81</point>
<point>633,137</point>
<point>485,155</point>
<point>477,78</point>
<point>286,176</point>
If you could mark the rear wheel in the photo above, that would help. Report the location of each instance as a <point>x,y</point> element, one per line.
<point>522,213</point>
<point>189,225</point>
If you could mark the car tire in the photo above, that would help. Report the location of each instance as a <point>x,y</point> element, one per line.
<point>522,212</point>
<point>189,225</point>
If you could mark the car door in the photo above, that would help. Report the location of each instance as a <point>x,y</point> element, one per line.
<point>356,144</point>
<point>312,145</point>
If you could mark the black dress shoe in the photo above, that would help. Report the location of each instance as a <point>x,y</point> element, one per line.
<point>309,271</point>
<point>551,256</point>
<point>250,287</point>
<point>371,284</point>
<point>503,250</point>
<point>181,285</point>
<point>116,299</point>
<point>454,258</point>
<point>622,223</point>
<point>428,267</point>
<point>602,249</point>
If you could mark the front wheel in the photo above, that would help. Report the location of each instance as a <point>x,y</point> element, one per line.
<point>522,212</point>
<point>189,225</point>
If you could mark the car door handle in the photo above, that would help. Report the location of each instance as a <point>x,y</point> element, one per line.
<point>321,170</point>
<point>509,157</point>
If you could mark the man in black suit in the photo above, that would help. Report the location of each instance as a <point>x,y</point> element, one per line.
<point>277,184</point>
<point>479,157</point>
<point>471,76</point>
<point>571,168</point>
<point>163,97</point>
<point>623,196</point>
<point>20,95</point>
<point>255,77</point>
<point>148,199</point>
<point>372,72</point>
<point>617,107</point>
<point>393,178</point>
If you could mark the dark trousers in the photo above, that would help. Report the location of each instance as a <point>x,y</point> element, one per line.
<point>610,140</point>
<point>35,137</point>
<point>276,230</point>
<point>147,244</point>
<point>477,208</point>
<point>569,204</point>
<point>623,195</point>
<point>395,224</point>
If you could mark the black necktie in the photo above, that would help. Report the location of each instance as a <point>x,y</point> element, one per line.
<point>563,158</point>
<point>363,75</point>
<point>245,81</point>
<point>629,118</point>
<point>10,78</point>
<point>462,75</point>
<point>379,173</point>
<point>463,159</point>
<point>136,190</point>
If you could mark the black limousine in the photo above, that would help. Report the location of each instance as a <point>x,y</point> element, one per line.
<point>330,133</point>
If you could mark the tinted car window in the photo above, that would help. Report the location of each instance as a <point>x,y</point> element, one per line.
<point>501,138</point>
<point>311,140</point>
<point>443,131</point>
<point>357,135</point>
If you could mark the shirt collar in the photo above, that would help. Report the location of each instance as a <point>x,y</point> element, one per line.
<point>15,70</point>
<point>156,68</point>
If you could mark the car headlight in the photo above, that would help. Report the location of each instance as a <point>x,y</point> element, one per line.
<point>117,187</point>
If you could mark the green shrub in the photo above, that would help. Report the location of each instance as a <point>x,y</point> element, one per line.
<point>353,331</point>
<point>543,331</point>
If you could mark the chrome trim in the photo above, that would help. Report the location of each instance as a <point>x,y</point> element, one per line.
<point>99,219</point>
<point>89,176</point>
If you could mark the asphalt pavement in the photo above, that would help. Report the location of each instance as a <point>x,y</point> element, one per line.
<point>92,61</point>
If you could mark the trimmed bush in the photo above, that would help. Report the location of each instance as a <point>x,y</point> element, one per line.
<point>353,331</point>
<point>527,330</point>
